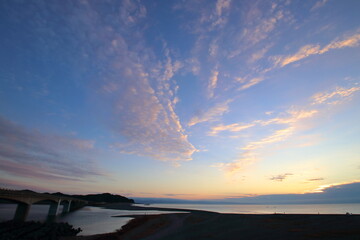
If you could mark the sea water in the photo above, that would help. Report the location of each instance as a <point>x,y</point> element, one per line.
<point>96,220</point>
<point>269,209</point>
<point>92,220</point>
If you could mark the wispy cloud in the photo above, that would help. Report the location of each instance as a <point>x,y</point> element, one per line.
<point>258,25</point>
<point>349,40</point>
<point>334,193</point>
<point>151,126</point>
<point>211,114</point>
<point>291,116</point>
<point>318,4</point>
<point>259,54</point>
<point>303,52</point>
<point>213,82</point>
<point>31,154</point>
<point>277,136</point>
<point>136,84</point>
<point>208,17</point>
<point>21,185</point>
<point>235,127</point>
<point>246,158</point>
<point>222,5</point>
<point>265,26</point>
<point>249,32</point>
<point>335,96</point>
<point>131,12</point>
<point>315,179</point>
<point>251,83</point>
<point>290,119</point>
<point>308,50</point>
<point>280,177</point>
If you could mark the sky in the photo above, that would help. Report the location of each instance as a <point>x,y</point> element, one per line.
<point>203,99</point>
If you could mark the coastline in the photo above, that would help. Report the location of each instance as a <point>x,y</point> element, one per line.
<point>196,224</point>
<point>127,206</point>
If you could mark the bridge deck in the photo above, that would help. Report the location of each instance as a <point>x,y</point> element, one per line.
<point>26,198</point>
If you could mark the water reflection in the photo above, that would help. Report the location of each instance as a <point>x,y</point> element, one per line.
<point>36,213</point>
<point>92,220</point>
<point>95,220</point>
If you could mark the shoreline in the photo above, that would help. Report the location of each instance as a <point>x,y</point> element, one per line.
<point>197,224</point>
<point>131,207</point>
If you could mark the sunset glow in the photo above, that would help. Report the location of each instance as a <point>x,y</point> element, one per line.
<point>180,99</point>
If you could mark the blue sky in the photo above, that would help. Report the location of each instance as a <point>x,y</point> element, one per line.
<point>196,99</point>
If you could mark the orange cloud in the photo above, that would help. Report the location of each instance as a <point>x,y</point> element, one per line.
<point>304,52</point>
<point>245,159</point>
<point>308,50</point>
<point>277,136</point>
<point>290,118</point>
<point>338,93</point>
<point>236,127</point>
<point>322,188</point>
<point>251,83</point>
<point>295,115</point>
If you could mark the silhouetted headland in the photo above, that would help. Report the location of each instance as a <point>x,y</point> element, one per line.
<point>98,199</point>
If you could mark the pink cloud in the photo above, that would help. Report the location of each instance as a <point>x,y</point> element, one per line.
<point>32,154</point>
<point>310,49</point>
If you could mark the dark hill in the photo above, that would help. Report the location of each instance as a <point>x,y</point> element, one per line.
<point>104,197</point>
<point>100,198</point>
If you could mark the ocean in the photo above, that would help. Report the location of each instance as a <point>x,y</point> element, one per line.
<point>269,209</point>
<point>95,220</point>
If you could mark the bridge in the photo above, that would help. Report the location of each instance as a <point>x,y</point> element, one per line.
<point>24,200</point>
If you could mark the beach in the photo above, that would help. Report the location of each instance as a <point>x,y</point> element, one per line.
<point>210,225</point>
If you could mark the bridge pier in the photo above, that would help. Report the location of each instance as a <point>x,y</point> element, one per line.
<point>22,211</point>
<point>25,199</point>
<point>66,206</point>
<point>53,209</point>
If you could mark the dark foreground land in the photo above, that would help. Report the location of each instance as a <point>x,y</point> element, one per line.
<point>33,230</point>
<point>199,225</point>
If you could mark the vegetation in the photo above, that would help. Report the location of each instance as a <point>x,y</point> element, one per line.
<point>32,230</point>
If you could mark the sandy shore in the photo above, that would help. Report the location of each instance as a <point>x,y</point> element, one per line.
<point>127,206</point>
<point>209,225</point>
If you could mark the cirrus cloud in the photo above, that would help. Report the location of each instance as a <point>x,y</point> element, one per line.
<point>211,114</point>
<point>291,120</point>
<point>136,85</point>
<point>31,154</point>
<point>308,50</point>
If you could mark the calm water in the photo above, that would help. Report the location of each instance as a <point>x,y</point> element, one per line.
<point>266,209</point>
<point>94,220</point>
